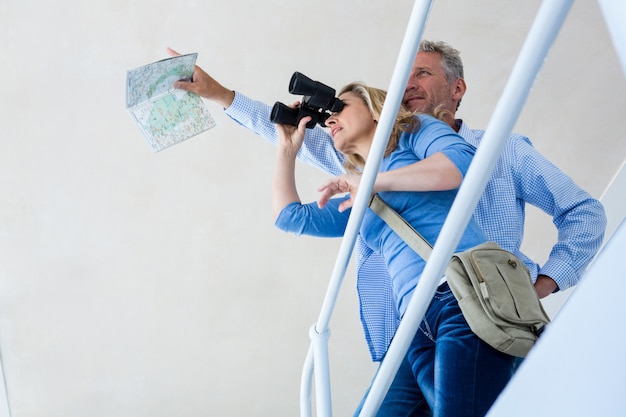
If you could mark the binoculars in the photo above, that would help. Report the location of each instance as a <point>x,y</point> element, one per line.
<point>318,102</point>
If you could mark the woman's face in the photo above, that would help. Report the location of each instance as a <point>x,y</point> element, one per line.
<point>352,129</point>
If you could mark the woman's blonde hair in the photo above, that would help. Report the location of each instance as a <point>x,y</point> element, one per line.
<point>374,98</point>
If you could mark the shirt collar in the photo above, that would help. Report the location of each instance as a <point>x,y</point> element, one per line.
<point>466,133</point>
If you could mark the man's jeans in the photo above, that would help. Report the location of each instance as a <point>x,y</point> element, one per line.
<point>448,371</point>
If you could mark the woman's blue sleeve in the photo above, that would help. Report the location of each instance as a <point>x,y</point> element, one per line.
<point>436,136</point>
<point>309,219</point>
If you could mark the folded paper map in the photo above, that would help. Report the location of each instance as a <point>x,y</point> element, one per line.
<point>166,115</point>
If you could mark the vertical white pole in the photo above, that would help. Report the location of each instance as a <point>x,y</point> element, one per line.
<point>319,343</point>
<point>306,384</point>
<point>539,40</point>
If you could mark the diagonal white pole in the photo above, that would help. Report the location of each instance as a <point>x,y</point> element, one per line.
<point>539,40</point>
<point>319,332</point>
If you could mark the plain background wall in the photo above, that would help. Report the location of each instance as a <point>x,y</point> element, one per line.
<point>134,283</point>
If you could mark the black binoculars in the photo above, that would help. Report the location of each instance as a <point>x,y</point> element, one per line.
<point>318,102</point>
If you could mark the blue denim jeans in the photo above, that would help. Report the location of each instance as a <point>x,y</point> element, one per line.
<point>448,371</point>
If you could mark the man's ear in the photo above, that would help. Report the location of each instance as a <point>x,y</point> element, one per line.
<point>459,89</point>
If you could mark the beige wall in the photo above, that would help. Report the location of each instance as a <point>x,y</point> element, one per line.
<point>134,283</point>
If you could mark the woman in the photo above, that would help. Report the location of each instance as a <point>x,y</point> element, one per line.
<point>457,374</point>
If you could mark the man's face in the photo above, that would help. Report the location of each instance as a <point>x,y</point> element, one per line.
<point>428,87</point>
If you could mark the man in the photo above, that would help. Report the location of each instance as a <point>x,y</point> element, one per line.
<point>521,176</point>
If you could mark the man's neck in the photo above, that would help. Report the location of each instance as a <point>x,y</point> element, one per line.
<point>457,125</point>
<point>448,117</point>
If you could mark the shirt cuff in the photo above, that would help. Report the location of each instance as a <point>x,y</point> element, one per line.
<point>237,107</point>
<point>563,274</point>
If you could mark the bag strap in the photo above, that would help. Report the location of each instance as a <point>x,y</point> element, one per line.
<point>402,228</point>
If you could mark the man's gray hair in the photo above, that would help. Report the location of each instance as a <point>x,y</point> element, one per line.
<point>450,58</point>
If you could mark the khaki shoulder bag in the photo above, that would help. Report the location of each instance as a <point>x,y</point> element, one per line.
<point>493,287</point>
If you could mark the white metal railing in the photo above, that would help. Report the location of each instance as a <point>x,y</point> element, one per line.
<point>540,38</point>
<point>317,358</point>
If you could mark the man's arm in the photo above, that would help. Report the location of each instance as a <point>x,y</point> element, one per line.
<point>579,218</point>
<point>318,149</point>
